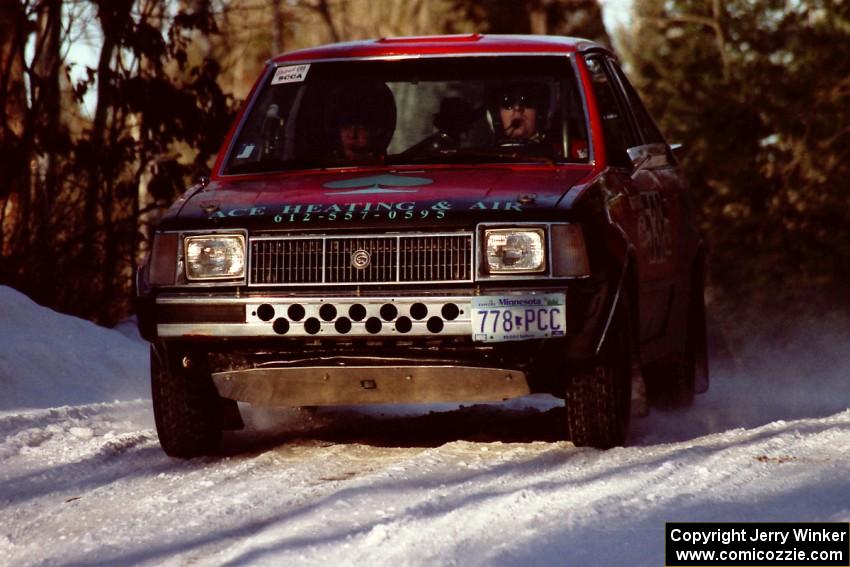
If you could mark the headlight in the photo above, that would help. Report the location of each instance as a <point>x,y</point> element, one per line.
<point>215,257</point>
<point>513,250</point>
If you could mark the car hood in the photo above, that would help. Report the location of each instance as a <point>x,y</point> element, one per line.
<point>379,198</point>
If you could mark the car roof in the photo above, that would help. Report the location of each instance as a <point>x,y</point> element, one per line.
<point>436,45</point>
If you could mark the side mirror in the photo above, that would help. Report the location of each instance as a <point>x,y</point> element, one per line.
<point>639,157</point>
<point>678,151</point>
<point>648,155</point>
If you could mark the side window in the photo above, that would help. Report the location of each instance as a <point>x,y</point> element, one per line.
<point>616,127</point>
<point>263,135</point>
<point>577,148</point>
<point>648,129</point>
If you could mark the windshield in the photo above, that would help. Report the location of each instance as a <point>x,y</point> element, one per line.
<point>436,110</point>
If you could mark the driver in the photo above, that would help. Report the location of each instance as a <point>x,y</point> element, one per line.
<point>521,108</point>
<point>364,123</point>
<point>357,141</point>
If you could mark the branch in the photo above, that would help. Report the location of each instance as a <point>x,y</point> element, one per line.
<point>711,23</point>
<point>321,6</point>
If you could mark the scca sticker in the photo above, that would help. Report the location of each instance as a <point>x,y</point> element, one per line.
<point>290,74</point>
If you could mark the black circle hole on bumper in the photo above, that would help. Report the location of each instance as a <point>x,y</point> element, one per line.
<point>296,312</point>
<point>389,312</point>
<point>418,311</point>
<point>280,326</point>
<point>312,325</point>
<point>357,312</point>
<point>450,311</point>
<point>435,324</point>
<point>265,312</point>
<point>403,324</point>
<point>342,325</point>
<point>373,325</point>
<point>327,312</point>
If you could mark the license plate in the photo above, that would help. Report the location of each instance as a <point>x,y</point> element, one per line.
<point>497,318</point>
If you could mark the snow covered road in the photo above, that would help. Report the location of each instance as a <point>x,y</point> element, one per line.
<point>84,482</point>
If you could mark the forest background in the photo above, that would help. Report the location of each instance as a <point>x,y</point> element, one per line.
<point>757,91</point>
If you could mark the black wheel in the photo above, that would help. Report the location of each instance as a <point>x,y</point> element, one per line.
<point>187,409</point>
<point>598,399</point>
<point>672,383</point>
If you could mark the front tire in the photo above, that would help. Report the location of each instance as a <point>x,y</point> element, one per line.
<point>598,399</point>
<point>187,408</point>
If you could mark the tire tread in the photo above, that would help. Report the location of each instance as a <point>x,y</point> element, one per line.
<point>187,410</point>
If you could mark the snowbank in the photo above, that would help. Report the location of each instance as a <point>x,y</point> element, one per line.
<point>48,359</point>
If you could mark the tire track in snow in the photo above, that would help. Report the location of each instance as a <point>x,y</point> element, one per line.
<point>550,493</point>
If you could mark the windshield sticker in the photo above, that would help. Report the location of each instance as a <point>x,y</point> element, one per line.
<point>246,151</point>
<point>290,74</point>
<point>341,212</point>
<point>378,181</point>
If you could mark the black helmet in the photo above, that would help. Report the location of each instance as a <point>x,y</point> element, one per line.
<point>527,93</point>
<point>365,103</point>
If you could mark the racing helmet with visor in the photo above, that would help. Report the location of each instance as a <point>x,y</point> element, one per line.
<point>520,110</point>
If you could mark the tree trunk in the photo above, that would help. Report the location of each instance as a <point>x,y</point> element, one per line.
<point>14,167</point>
<point>113,15</point>
<point>48,143</point>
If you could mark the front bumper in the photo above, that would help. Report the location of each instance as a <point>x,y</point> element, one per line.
<point>414,317</point>
<point>312,317</point>
<point>311,348</point>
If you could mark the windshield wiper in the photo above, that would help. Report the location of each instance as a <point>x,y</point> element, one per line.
<point>275,165</point>
<point>499,155</point>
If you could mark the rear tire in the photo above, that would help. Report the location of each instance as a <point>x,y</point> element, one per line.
<point>187,409</point>
<point>598,400</point>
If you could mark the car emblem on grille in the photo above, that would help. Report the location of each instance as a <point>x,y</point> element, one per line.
<point>360,259</point>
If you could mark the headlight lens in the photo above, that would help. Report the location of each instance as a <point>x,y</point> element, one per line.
<point>513,250</point>
<point>215,257</point>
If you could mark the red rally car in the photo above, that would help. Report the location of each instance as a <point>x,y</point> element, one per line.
<point>429,219</point>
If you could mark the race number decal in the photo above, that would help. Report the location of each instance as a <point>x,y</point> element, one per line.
<point>654,232</point>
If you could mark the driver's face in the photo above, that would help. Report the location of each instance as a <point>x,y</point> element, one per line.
<point>519,118</point>
<point>356,141</point>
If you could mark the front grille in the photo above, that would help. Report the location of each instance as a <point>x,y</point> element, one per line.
<point>437,258</point>
<point>294,260</point>
<point>383,260</point>
<point>419,258</point>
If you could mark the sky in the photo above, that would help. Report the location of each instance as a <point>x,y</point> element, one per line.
<point>615,13</point>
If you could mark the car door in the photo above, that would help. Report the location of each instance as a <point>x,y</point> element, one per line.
<point>634,161</point>
<point>680,239</point>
